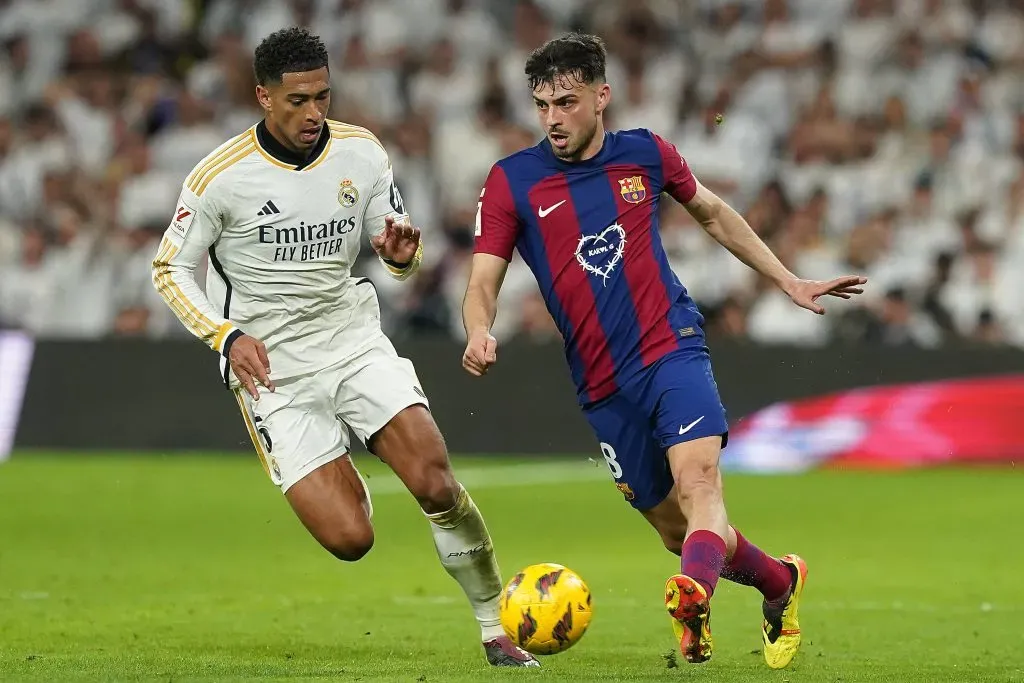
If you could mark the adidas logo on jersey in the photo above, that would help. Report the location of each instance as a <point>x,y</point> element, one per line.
<point>269,209</point>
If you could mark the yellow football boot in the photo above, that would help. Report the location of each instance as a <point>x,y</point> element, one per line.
<point>781,627</point>
<point>687,604</point>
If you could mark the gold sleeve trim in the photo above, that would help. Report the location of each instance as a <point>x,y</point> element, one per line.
<point>222,334</point>
<point>192,317</point>
<point>205,180</point>
<point>229,148</point>
<point>414,265</point>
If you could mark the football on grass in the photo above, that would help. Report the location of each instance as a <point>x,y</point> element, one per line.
<point>546,608</point>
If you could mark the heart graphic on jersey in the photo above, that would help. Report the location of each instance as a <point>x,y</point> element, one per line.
<point>600,254</point>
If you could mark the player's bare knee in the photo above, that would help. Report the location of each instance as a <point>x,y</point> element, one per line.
<point>349,545</point>
<point>428,476</point>
<point>431,481</point>
<point>436,488</point>
<point>412,445</point>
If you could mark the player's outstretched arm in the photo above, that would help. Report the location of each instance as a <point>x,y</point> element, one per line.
<point>730,230</point>
<point>479,308</point>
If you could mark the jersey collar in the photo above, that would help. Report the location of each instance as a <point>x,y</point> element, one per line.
<point>275,151</point>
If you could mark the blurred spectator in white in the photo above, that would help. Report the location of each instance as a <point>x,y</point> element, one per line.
<point>465,150</point>
<point>984,281</point>
<point>255,19</point>
<point>867,38</point>
<point>926,80</point>
<point>86,103</point>
<point>16,74</point>
<point>139,310</point>
<point>530,29</point>
<point>1003,220</point>
<point>724,37</point>
<point>881,137</point>
<point>84,277</point>
<point>942,23</point>
<point>147,192</point>
<point>922,232</point>
<point>191,135</point>
<point>27,286</point>
<point>474,31</point>
<point>774,319</point>
<point>364,89</point>
<point>732,157</point>
<point>895,322</point>
<point>41,146</point>
<point>225,83</point>
<point>1000,32</point>
<point>447,88</point>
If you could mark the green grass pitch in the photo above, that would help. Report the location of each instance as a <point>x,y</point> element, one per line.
<point>191,567</point>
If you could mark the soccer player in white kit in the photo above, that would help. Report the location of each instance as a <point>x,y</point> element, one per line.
<point>280,210</point>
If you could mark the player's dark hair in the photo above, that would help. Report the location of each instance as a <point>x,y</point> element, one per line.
<point>580,56</point>
<point>290,50</point>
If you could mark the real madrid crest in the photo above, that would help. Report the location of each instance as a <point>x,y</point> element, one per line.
<point>348,195</point>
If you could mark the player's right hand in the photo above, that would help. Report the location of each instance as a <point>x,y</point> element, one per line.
<point>250,363</point>
<point>481,353</point>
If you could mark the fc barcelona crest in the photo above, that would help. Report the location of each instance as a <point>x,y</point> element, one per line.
<point>348,195</point>
<point>632,189</point>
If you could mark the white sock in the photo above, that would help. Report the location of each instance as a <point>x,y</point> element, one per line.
<point>467,554</point>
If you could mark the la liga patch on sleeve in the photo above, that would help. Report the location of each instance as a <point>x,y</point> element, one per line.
<point>183,217</point>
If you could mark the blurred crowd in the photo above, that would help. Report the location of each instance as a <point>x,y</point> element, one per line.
<point>878,137</point>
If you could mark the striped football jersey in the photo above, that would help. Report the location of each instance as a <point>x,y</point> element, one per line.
<point>590,232</point>
<point>280,236</point>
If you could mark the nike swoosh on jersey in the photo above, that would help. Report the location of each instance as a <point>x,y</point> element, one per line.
<point>542,212</point>
<point>683,430</point>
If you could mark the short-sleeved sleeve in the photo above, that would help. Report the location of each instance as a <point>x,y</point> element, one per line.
<point>679,182</point>
<point>497,223</point>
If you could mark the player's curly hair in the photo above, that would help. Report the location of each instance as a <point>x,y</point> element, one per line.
<point>290,50</point>
<point>579,55</point>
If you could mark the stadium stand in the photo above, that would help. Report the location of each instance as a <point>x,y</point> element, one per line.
<point>884,137</point>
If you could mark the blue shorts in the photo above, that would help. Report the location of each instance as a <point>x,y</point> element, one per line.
<point>671,401</point>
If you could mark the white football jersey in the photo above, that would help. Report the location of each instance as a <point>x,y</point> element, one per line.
<point>281,240</point>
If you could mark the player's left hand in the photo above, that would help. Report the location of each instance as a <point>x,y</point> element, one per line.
<point>398,242</point>
<point>805,293</point>
<point>481,353</point>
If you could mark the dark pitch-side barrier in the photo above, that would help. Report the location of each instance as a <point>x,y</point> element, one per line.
<point>143,395</point>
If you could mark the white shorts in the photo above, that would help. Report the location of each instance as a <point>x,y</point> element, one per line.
<point>304,423</point>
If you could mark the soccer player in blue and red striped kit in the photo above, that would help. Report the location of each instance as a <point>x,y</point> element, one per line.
<point>581,207</point>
